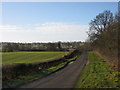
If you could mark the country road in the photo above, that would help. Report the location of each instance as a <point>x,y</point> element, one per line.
<point>65,78</point>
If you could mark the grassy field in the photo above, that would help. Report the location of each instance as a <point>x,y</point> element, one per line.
<point>36,75</point>
<point>29,57</point>
<point>97,74</point>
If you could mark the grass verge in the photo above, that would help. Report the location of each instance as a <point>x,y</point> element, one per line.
<point>97,74</point>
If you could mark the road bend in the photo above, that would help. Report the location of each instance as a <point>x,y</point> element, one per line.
<point>64,78</point>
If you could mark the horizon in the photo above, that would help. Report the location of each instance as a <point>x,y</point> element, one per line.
<point>44,42</point>
<point>49,21</point>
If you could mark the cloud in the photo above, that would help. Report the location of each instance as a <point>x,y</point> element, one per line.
<point>62,29</point>
<point>50,31</point>
<point>14,28</point>
<point>7,27</point>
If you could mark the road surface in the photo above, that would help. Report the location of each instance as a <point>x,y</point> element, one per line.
<point>65,78</point>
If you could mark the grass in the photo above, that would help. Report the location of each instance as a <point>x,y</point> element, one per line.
<point>97,74</point>
<point>29,57</point>
<point>34,76</point>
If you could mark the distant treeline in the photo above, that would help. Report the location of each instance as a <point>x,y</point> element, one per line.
<point>57,46</point>
<point>103,35</point>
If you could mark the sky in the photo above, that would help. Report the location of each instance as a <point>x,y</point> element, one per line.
<point>49,21</point>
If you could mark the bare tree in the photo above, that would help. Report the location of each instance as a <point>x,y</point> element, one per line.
<point>103,34</point>
<point>100,23</point>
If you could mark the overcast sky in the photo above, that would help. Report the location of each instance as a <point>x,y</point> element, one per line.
<point>49,21</point>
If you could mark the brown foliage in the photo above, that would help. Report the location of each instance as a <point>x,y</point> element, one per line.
<point>103,34</point>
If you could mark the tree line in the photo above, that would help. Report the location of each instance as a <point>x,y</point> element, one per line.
<point>56,46</point>
<point>103,35</point>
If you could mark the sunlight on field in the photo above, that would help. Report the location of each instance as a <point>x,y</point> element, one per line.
<point>29,57</point>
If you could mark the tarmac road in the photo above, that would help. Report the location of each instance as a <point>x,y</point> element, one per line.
<point>65,78</point>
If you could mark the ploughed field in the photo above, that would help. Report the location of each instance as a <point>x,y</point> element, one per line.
<point>29,57</point>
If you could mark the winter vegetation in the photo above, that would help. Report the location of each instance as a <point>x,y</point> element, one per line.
<point>103,36</point>
<point>45,58</point>
<point>103,69</point>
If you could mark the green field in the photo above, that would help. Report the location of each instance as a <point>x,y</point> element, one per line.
<point>22,79</point>
<point>29,57</point>
<point>97,74</point>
